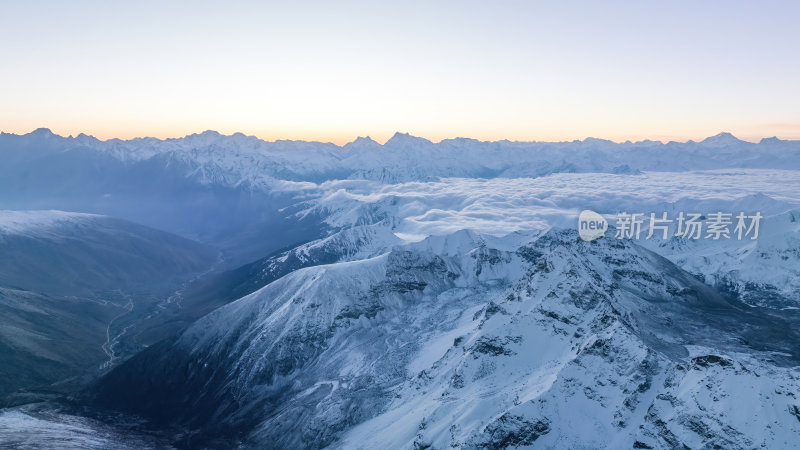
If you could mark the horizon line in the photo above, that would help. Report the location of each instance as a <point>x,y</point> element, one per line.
<point>396,134</point>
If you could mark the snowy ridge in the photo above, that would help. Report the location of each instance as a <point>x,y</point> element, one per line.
<point>471,341</point>
<point>764,272</point>
<point>768,267</point>
<point>19,222</point>
<point>30,428</point>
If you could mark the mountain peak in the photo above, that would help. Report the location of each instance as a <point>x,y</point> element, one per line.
<point>404,140</point>
<point>85,138</point>
<point>721,139</point>
<point>42,132</point>
<point>362,143</point>
<point>770,140</point>
<point>205,138</point>
<point>594,140</point>
<point>361,140</point>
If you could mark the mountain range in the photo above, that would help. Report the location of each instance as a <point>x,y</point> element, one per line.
<point>225,292</point>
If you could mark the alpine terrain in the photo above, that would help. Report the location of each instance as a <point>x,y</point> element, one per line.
<point>225,292</point>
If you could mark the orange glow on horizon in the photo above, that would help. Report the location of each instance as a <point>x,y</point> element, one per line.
<point>750,134</point>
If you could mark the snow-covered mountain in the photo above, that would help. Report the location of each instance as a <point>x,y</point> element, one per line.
<point>764,272</point>
<point>474,341</point>
<point>405,295</point>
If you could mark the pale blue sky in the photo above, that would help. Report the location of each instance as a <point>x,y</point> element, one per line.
<point>336,70</point>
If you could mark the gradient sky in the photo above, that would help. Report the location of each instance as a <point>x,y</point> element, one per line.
<point>332,71</point>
